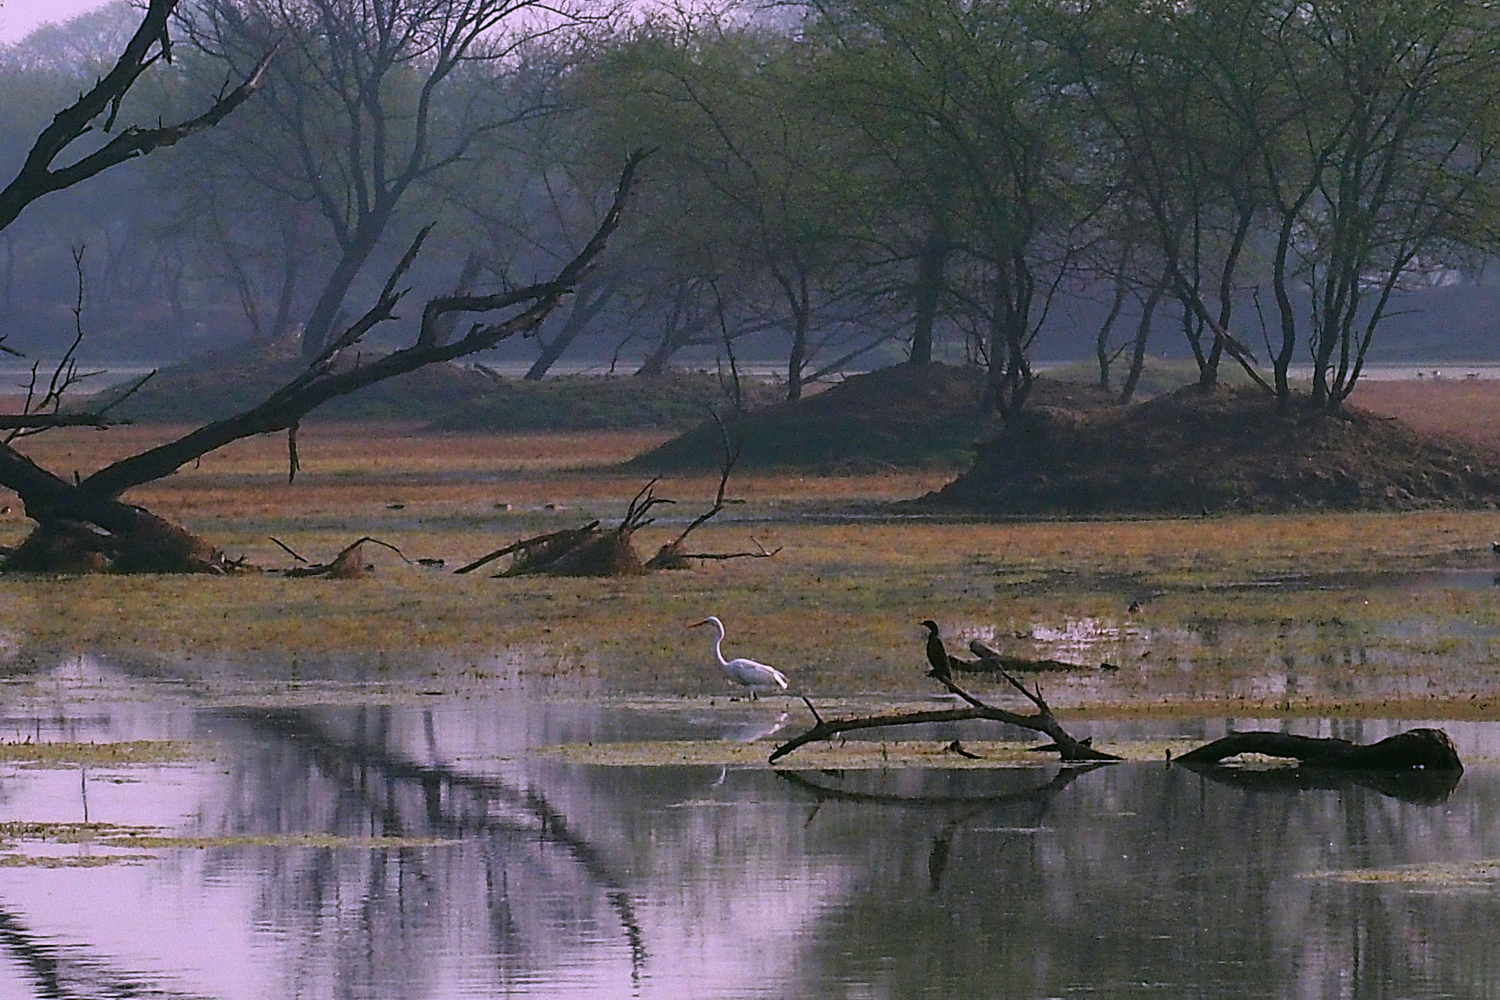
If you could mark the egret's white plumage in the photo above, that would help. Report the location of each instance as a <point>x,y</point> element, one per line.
<point>741,670</point>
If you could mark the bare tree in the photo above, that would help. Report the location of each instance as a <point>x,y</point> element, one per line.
<point>84,525</point>
<point>97,112</point>
<point>364,103</point>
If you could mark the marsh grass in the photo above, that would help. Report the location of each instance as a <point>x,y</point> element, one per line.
<point>318,841</point>
<point>837,608</point>
<point>858,755</point>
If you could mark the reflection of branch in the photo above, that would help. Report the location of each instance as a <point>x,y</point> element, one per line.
<point>351,762</point>
<point>1427,788</point>
<point>1040,793</point>
<point>58,976</point>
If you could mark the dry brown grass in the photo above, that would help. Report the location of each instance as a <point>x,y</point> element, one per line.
<point>1468,409</point>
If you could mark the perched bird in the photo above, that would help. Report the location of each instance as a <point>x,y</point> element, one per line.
<point>746,672</point>
<point>937,654</point>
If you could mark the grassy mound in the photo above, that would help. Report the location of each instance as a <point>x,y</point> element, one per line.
<point>597,402</point>
<point>905,416</point>
<point>1192,453</point>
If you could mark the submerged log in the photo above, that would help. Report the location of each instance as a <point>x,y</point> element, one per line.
<point>1426,749</point>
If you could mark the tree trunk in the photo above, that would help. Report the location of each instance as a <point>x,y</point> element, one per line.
<point>930,267</point>
<point>588,302</point>
<point>325,311</point>
<point>1142,334</point>
<point>1101,342</point>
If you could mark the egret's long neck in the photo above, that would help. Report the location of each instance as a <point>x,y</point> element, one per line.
<point>719,646</point>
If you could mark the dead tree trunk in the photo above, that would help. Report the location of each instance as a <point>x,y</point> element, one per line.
<point>1427,749</point>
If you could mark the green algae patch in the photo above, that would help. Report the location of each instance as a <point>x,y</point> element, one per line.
<point>848,755</point>
<point>75,861</point>
<point>283,840</point>
<point>62,833</point>
<point>123,754</point>
<point>1483,874</point>
<point>17,834</point>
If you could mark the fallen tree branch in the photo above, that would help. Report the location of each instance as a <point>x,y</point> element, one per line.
<point>1043,721</point>
<point>761,553</point>
<point>349,564</point>
<point>524,543</point>
<point>1427,749</point>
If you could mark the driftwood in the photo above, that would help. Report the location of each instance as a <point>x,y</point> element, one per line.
<point>1427,749</point>
<point>672,555</point>
<point>592,551</point>
<point>349,564</point>
<point>1069,749</point>
<point>555,538</point>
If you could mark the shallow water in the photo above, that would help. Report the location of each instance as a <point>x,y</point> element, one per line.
<point>519,875</point>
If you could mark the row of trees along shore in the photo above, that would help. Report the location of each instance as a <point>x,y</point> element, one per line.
<point>840,181</point>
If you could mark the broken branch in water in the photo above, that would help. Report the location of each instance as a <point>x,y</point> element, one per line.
<point>1070,749</point>
<point>1427,749</point>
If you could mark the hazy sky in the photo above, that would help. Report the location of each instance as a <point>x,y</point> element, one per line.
<point>17,17</point>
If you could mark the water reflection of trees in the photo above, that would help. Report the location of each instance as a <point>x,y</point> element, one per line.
<point>1143,874</point>
<point>371,919</point>
<point>943,883</point>
<point>69,972</point>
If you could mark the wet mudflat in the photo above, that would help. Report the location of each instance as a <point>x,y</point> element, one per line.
<point>188,845</point>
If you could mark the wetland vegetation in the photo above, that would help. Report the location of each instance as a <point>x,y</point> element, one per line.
<point>1303,613</point>
<point>557,759</point>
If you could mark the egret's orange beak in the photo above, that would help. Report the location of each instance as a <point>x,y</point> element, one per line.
<point>696,624</point>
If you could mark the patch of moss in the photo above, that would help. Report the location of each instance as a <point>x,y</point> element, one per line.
<point>1482,874</point>
<point>849,755</point>
<point>71,861</point>
<point>320,841</point>
<point>97,754</point>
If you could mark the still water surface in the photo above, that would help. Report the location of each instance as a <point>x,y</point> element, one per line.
<point>524,876</point>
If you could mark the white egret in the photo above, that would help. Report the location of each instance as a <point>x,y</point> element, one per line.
<point>743,671</point>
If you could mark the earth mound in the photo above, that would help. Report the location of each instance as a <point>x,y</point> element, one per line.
<point>1192,452</point>
<point>905,416</point>
<point>597,402</point>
